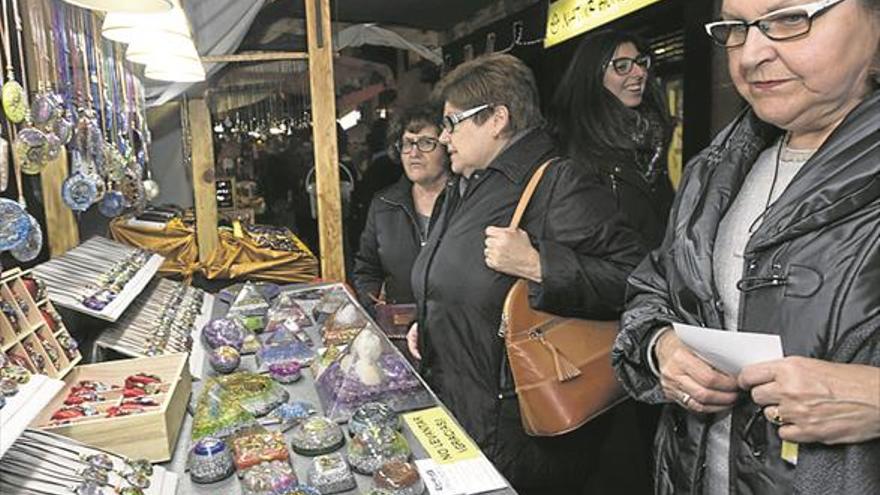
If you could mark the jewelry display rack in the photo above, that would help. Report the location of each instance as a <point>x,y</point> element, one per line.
<point>91,268</point>
<point>159,321</point>
<point>24,406</point>
<point>64,466</point>
<point>26,337</point>
<point>150,434</point>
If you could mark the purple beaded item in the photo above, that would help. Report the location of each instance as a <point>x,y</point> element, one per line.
<point>287,372</point>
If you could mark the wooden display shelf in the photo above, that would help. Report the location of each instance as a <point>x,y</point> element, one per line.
<point>32,335</point>
<point>150,435</point>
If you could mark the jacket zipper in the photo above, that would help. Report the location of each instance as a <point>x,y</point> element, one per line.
<point>423,237</point>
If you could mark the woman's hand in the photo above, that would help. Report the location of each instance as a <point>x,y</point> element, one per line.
<point>510,251</point>
<point>412,341</point>
<point>817,401</point>
<point>690,381</point>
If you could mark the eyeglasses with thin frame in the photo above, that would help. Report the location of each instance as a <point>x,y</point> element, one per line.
<point>779,25</point>
<point>624,65</point>
<point>425,144</point>
<point>450,121</point>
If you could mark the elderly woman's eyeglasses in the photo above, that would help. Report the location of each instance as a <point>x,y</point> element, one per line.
<point>450,121</point>
<point>424,144</point>
<point>624,65</point>
<point>778,25</point>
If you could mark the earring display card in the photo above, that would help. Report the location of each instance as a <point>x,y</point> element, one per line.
<point>99,277</point>
<point>32,333</point>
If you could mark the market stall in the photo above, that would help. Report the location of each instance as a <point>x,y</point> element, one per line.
<point>257,389</point>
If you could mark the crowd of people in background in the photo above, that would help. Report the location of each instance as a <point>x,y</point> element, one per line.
<point>774,229</point>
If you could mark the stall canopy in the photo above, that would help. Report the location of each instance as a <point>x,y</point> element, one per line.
<point>224,27</point>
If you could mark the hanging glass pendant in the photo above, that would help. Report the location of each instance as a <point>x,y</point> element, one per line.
<point>44,109</point>
<point>114,163</point>
<point>63,127</point>
<point>79,191</point>
<point>30,147</point>
<point>151,189</point>
<point>14,103</point>
<point>14,224</point>
<point>112,205</point>
<point>33,242</point>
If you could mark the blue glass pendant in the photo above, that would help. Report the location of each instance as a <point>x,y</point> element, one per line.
<point>33,243</point>
<point>14,224</point>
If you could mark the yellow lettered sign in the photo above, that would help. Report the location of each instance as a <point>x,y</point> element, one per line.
<point>569,18</point>
<point>441,436</point>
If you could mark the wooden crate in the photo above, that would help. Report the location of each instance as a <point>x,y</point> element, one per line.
<point>149,435</point>
<point>32,330</point>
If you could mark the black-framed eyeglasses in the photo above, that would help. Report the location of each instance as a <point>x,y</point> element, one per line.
<point>450,121</point>
<point>424,144</point>
<point>624,65</point>
<point>779,25</point>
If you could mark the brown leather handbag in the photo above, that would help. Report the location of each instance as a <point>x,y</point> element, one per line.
<point>561,366</point>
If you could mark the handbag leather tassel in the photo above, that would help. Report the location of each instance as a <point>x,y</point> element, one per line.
<point>565,370</point>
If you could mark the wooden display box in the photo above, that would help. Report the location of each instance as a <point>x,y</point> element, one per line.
<point>149,435</point>
<point>31,335</point>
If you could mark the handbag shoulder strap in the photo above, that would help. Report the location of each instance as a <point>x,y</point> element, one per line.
<point>527,194</point>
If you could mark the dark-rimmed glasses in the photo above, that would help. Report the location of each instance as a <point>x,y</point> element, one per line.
<point>624,65</point>
<point>450,121</point>
<point>778,25</point>
<point>424,144</point>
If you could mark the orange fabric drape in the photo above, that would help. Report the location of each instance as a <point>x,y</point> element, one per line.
<point>176,242</point>
<point>235,257</point>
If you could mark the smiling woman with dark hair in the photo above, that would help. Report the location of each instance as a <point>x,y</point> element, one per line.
<point>776,230</point>
<point>609,114</point>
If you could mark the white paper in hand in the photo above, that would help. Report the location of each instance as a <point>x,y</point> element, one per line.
<point>727,351</point>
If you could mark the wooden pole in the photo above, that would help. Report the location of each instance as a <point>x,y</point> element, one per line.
<point>205,195</point>
<point>61,227</point>
<point>324,132</point>
<point>255,57</point>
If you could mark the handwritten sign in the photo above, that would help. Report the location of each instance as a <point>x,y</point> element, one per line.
<point>441,436</point>
<point>569,18</point>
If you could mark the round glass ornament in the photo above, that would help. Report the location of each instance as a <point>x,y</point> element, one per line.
<point>112,205</point>
<point>33,243</point>
<point>224,359</point>
<point>14,224</point>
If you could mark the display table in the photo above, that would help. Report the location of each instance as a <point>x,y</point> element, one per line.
<point>304,390</point>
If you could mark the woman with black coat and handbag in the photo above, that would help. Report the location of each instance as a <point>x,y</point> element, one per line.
<point>574,249</point>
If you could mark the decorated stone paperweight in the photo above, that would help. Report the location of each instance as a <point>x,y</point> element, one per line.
<point>399,478</point>
<point>269,478</point>
<point>210,460</point>
<point>250,307</point>
<point>330,474</point>
<point>373,414</point>
<point>373,447</point>
<point>316,435</point>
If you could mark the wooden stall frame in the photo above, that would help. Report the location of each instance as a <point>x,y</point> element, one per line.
<point>323,93</point>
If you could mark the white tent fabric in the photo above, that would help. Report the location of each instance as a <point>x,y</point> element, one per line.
<point>218,28</point>
<point>371,34</point>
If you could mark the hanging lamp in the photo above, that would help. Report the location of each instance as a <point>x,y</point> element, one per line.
<point>126,27</point>
<point>136,6</point>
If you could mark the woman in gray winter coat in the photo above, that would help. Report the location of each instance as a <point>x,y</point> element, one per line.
<point>775,229</point>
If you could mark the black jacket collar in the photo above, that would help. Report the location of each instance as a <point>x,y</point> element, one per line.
<point>521,158</point>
